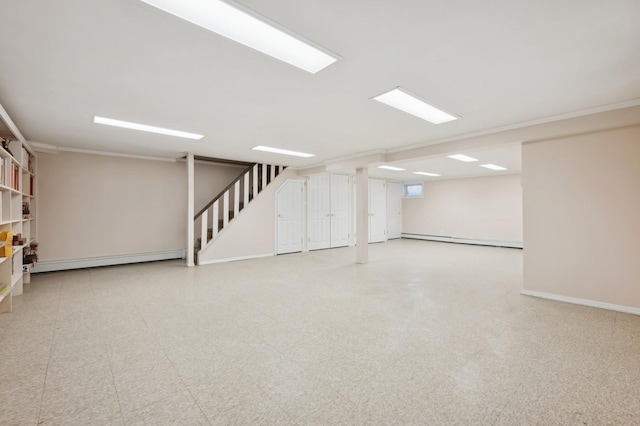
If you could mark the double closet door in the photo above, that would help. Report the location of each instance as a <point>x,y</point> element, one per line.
<point>328,207</point>
<point>377,210</point>
<point>394,210</point>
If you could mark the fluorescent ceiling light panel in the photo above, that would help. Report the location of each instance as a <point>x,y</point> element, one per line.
<point>406,101</point>
<point>462,157</point>
<point>395,169</point>
<point>244,26</point>
<point>493,167</point>
<point>426,174</point>
<point>146,128</point>
<point>282,151</point>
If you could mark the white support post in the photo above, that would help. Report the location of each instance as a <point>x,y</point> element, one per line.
<point>246,189</point>
<point>216,209</point>
<point>236,198</point>
<point>362,215</point>
<point>264,177</point>
<point>204,228</point>
<point>225,212</point>
<point>190,210</point>
<point>273,173</point>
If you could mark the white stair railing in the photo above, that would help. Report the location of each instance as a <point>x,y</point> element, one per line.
<point>218,213</point>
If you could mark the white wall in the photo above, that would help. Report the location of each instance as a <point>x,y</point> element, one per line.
<point>92,206</point>
<point>483,208</point>
<point>582,216</point>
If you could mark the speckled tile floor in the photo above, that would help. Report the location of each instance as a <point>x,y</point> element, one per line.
<point>426,333</point>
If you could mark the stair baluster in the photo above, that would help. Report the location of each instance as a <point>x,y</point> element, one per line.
<point>234,198</point>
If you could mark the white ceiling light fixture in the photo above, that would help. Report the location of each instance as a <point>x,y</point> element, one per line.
<point>410,103</point>
<point>395,169</point>
<point>426,174</point>
<point>146,128</point>
<point>240,24</point>
<point>462,157</point>
<point>493,167</point>
<point>282,151</point>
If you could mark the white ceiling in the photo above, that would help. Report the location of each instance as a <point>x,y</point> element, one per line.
<point>495,63</point>
<point>508,156</point>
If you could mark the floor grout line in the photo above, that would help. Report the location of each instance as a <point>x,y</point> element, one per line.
<point>106,347</point>
<point>53,336</point>
<point>155,337</point>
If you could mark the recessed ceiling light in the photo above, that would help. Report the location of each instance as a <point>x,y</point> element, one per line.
<point>236,22</point>
<point>406,101</point>
<point>426,174</point>
<point>146,128</point>
<point>462,157</point>
<point>493,167</point>
<point>282,151</point>
<point>395,169</point>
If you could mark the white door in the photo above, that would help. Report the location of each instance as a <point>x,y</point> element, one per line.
<point>318,202</point>
<point>289,218</point>
<point>394,210</point>
<point>377,210</point>
<point>339,210</point>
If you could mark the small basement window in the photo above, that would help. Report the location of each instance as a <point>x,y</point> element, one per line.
<point>412,190</point>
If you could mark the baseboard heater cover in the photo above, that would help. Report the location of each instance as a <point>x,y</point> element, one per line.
<point>583,302</point>
<point>235,259</point>
<point>495,243</point>
<point>64,265</point>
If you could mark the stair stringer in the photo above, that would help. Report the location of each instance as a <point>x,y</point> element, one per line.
<point>251,234</point>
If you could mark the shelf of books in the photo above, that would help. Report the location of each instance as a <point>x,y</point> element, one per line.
<point>18,246</point>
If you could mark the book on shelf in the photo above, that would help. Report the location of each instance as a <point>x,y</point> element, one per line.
<point>4,289</point>
<point>14,177</point>
<point>3,167</point>
<point>6,243</point>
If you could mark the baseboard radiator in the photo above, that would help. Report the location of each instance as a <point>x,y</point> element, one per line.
<point>92,262</point>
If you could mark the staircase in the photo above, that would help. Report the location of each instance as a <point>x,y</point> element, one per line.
<point>222,209</point>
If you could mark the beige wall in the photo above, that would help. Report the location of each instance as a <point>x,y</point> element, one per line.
<point>484,208</point>
<point>95,206</point>
<point>582,216</point>
<point>210,179</point>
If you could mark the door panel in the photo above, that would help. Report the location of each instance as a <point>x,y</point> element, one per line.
<point>394,210</point>
<point>339,210</point>
<point>289,218</point>
<point>377,210</point>
<point>318,202</point>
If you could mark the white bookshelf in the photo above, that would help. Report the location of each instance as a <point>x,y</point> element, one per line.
<point>17,211</point>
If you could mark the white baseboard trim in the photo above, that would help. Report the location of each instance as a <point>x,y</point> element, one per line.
<point>496,243</point>
<point>583,302</point>
<point>64,265</point>
<point>234,259</point>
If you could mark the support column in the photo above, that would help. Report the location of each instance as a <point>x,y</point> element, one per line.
<point>362,215</point>
<point>190,209</point>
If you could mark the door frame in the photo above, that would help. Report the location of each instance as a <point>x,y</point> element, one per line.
<point>303,207</point>
<point>307,241</point>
